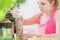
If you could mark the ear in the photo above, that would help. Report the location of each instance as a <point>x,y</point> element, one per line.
<point>52,3</point>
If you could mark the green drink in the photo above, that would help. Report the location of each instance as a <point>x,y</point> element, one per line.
<point>7,33</point>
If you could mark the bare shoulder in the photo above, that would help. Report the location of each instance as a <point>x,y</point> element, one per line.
<point>57,16</point>
<point>57,13</point>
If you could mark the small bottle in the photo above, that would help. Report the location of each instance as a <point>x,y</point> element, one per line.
<point>19,27</point>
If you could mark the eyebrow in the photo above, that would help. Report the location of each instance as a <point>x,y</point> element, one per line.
<point>43,2</point>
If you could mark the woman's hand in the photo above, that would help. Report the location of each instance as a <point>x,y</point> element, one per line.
<point>15,12</point>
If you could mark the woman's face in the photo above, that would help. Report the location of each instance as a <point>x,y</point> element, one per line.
<point>45,5</point>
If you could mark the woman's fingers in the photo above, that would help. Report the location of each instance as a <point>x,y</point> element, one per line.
<point>15,12</point>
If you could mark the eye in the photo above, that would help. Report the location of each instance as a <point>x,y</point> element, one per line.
<point>43,3</point>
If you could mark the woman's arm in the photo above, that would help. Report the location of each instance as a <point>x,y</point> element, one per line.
<point>30,21</point>
<point>57,19</point>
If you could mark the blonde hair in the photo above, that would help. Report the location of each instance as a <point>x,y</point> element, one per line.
<point>59,4</point>
<point>56,4</point>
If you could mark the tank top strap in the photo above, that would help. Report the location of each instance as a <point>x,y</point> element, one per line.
<point>53,11</point>
<point>39,17</point>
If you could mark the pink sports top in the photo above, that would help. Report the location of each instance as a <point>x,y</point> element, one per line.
<point>49,27</point>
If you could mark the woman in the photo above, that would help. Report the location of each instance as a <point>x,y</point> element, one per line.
<point>48,20</point>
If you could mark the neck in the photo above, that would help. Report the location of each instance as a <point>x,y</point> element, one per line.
<point>48,13</point>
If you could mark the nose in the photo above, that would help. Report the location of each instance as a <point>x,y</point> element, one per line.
<point>40,6</point>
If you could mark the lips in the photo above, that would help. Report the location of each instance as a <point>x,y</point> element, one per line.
<point>41,9</point>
